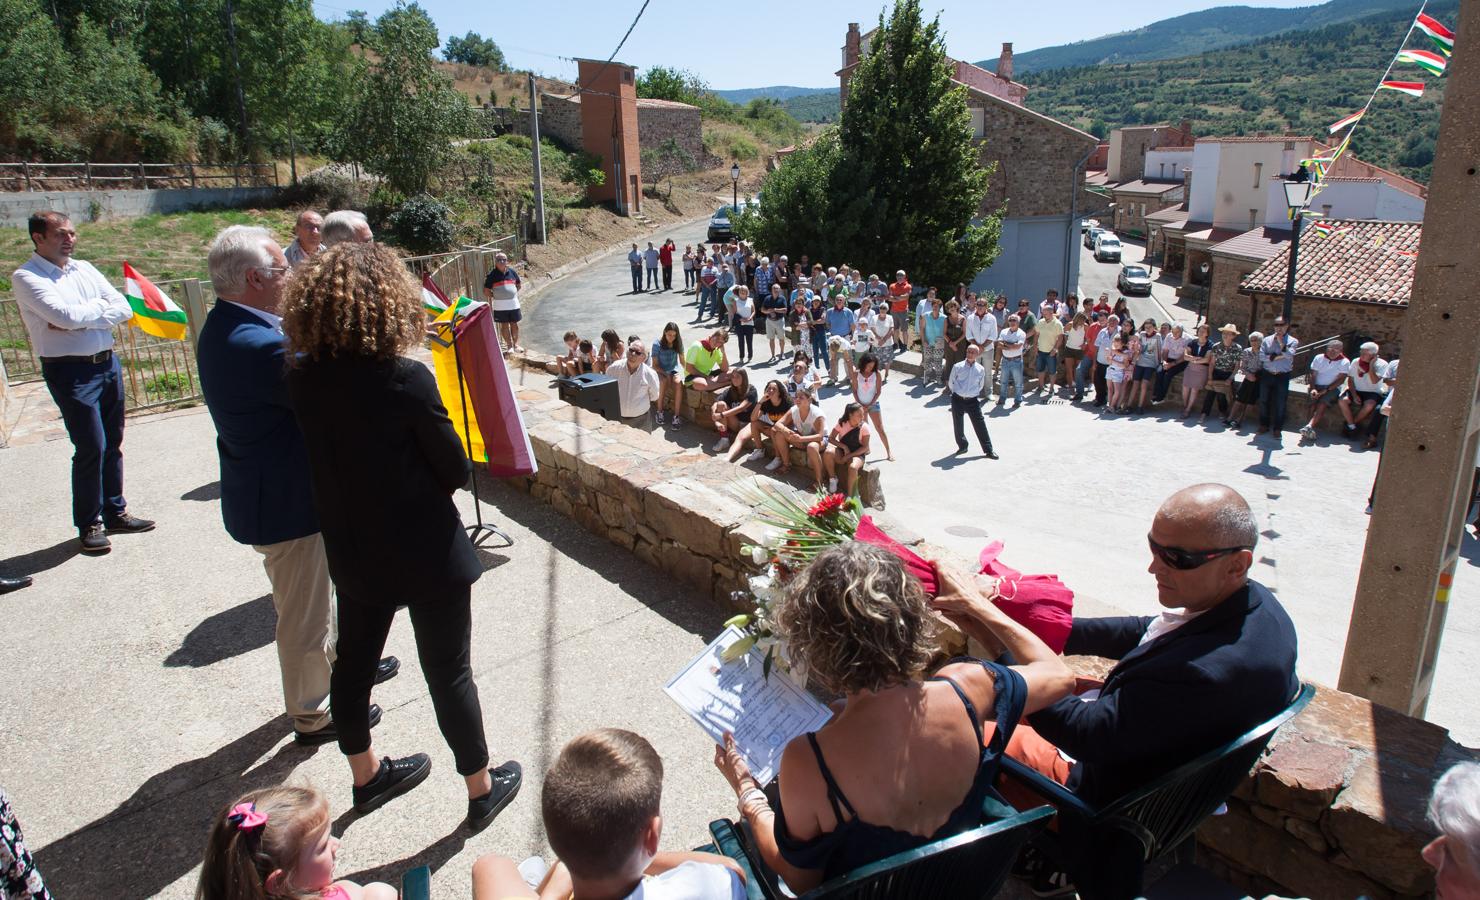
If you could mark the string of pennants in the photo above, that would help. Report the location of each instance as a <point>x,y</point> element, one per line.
<point>1325,229</point>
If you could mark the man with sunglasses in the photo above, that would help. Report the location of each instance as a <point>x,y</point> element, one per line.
<point>637,386</point>
<point>1219,660</point>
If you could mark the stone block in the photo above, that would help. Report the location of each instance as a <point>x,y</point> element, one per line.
<point>1308,833</point>
<point>560,502</point>
<point>1350,721</point>
<point>688,567</point>
<point>687,509</point>
<point>1378,821</point>
<point>622,538</point>
<point>870,488</point>
<point>1270,853</point>
<point>1271,817</point>
<point>588,518</point>
<point>540,492</point>
<point>1302,777</point>
<point>646,551</point>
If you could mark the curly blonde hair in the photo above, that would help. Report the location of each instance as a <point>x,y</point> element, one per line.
<point>352,300</point>
<point>858,620</point>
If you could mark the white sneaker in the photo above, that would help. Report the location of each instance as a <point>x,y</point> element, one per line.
<point>832,485</point>
<point>533,871</point>
<point>756,455</point>
<point>773,465</point>
<point>661,417</point>
<point>677,421</point>
<point>721,445</point>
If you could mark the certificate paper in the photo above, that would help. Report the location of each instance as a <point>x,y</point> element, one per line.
<point>764,714</point>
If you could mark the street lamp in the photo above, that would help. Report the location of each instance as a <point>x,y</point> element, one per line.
<point>1297,196</point>
<point>735,184</point>
<point>1207,290</point>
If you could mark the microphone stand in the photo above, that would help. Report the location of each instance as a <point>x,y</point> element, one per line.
<point>480,532</point>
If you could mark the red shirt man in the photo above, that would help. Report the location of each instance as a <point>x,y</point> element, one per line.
<point>899,293</point>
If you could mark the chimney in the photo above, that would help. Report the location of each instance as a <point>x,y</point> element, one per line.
<point>851,46</point>
<point>1004,62</point>
<point>1186,129</point>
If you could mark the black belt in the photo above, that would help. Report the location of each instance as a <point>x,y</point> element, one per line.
<point>100,356</point>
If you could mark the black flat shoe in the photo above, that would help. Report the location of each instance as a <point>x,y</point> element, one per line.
<point>506,781</point>
<point>94,539</point>
<point>990,455</point>
<point>386,670</point>
<point>127,524</point>
<point>330,732</point>
<point>14,584</point>
<point>396,777</point>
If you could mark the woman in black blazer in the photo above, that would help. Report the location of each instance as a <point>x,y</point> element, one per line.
<point>385,462</point>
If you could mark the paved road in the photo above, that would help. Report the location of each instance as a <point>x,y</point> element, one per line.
<point>1096,276</point>
<point>1074,492</point>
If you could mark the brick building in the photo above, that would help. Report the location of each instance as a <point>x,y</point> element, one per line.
<point>1039,179</point>
<point>657,122</point>
<point>1126,158</point>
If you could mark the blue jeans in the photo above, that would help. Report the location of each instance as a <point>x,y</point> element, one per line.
<point>636,279</point>
<point>652,279</point>
<point>90,397</point>
<point>1012,372</point>
<point>819,347</point>
<point>1274,389</point>
<point>707,297</point>
<point>1081,371</point>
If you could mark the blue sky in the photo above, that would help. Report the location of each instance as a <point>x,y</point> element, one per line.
<point>766,42</point>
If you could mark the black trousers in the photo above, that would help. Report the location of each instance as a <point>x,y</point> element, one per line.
<point>1274,390</point>
<point>1164,381</point>
<point>90,397</point>
<point>667,278</point>
<point>443,632</point>
<point>970,407</point>
<point>1209,393</point>
<point>1102,390</point>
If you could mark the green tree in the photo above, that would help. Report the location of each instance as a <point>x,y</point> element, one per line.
<point>474,50</point>
<point>357,23</point>
<point>678,85</point>
<point>797,209</point>
<point>402,124</point>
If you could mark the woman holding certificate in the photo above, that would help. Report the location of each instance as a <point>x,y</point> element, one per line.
<point>908,759</point>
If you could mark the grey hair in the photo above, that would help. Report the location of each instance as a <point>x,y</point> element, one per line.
<point>1371,345</point>
<point>1454,808</point>
<point>236,251</point>
<point>340,226</point>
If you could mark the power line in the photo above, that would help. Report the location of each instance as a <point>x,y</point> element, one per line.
<point>619,47</point>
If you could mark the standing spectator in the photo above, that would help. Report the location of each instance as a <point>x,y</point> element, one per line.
<point>1246,381</point>
<point>707,289</point>
<point>981,332</point>
<point>637,386</point>
<point>819,279</point>
<point>266,487</point>
<point>501,290</point>
<point>634,260</point>
<point>743,322</point>
<point>773,305</point>
<point>1013,340</point>
<point>783,277</point>
<point>307,237</point>
<point>1102,305</point>
<point>964,385</point>
<point>765,276</point>
<point>899,309</point>
<point>1146,352</point>
<point>840,324</point>
<point>1123,310</point>
<point>868,384</point>
<point>668,363</point>
<point>863,336</point>
<point>371,416</point>
<point>956,342</point>
<point>1173,362</point>
<point>1075,339</point>
<point>724,288</point>
<point>922,309</point>
<point>665,259</point>
<point>705,365</point>
<point>346,226</point>
<point>803,426</point>
<point>1029,324</point>
<point>650,260</point>
<point>1103,339</point>
<point>799,324</point>
<point>1049,342</point>
<point>733,409</point>
<point>69,310</point>
<point>1196,373</point>
<point>847,445</point>
<point>774,402</point>
<point>1225,359</point>
<point>817,314</point>
<point>1278,351</point>
<point>933,343</point>
<point>1365,393</point>
<point>1328,374</point>
<point>688,267</point>
<point>882,326</point>
<point>1118,375</point>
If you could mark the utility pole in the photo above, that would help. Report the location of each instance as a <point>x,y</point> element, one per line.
<point>539,183</point>
<point>1423,483</point>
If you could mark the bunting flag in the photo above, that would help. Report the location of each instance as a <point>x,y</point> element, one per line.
<point>436,302</point>
<point>1411,88</point>
<point>1442,37</point>
<point>1322,229</point>
<point>154,312</point>
<point>1349,121</point>
<point>1433,63</point>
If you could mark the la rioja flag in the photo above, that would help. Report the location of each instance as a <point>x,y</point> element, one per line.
<point>154,312</point>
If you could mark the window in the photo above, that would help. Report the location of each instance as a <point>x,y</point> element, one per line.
<point>1253,218</point>
<point>1326,210</point>
<point>978,123</point>
<point>1164,170</point>
<point>1258,168</point>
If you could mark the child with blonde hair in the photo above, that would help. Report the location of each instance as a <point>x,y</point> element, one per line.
<point>275,844</point>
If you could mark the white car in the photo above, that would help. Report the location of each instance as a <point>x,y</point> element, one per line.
<point>1107,248</point>
<point>1134,279</point>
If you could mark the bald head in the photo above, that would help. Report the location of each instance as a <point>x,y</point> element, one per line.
<point>1214,512</point>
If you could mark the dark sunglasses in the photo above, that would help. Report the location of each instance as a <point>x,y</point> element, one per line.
<point>1183,560</point>
<point>634,352</point>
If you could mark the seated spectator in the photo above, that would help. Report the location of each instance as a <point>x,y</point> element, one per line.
<point>804,426</point>
<point>908,759</point>
<point>733,409</point>
<point>612,351</point>
<point>568,364</point>
<point>1219,660</point>
<point>1364,394</point>
<point>1327,376</point>
<point>705,365</point>
<point>774,402</point>
<point>668,361</point>
<point>1246,381</point>
<point>1454,810</point>
<point>637,387</point>
<point>600,806</point>
<point>847,446</point>
<point>802,375</point>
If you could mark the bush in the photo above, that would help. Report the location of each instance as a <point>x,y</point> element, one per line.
<point>327,190</point>
<point>423,224</point>
<point>583,170</point>
<point>166,385</point>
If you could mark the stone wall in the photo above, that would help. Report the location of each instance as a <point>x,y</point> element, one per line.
<point>1225,303</point>
<point>683,123</point>
<point>89,206</point>
<point>560,121</point>
<point>1035,159</point>
<point>1315,319</point>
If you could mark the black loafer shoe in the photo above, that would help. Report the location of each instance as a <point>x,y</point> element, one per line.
<point>127,524</point>
<point>396,777</point>
<point>387,669</point>
<point>991,455</point>
<point>329,732</point>
<point>94,539</point>
<point>14,584</point>
<point>506,781</point>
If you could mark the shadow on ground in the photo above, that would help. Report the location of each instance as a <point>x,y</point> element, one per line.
<point>231,632</point>
<point>204,494</point>
<point>39,560</point>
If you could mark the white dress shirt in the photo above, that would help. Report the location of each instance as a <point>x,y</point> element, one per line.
<point>77,300</point>
<point>273,319</point>
<point>966,379</point>
<point>981,330</point>
<point>638,389</point>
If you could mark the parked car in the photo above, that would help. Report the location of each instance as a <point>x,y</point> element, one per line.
<point>1107,248</point>
<point>1090,234</point>
<point>720,228</point>
<point>1134,279</point>
<point>1087,224</point>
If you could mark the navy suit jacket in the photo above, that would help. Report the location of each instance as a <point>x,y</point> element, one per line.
<point>1175,698</point>
<point>266,491</point>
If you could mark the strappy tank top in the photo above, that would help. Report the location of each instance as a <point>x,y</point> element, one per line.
<point>854,842</point>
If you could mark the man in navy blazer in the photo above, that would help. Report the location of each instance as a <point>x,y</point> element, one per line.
<point>1219,660</point>
<point>266,495</point>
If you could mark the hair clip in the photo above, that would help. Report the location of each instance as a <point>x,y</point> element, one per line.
<point>246,817</point>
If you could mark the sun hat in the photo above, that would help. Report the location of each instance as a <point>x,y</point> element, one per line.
<point>1230,327</point>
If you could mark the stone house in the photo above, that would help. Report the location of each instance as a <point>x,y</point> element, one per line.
<point>1356,282</point>
<point>1160,184</point>
<point>657,122</point>
<point>1039,181</point>
<point>1126,158</point>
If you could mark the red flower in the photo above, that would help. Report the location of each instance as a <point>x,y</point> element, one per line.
<point>828,506</point>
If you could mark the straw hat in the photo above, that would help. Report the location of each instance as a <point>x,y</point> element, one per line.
<point>1230,327</point>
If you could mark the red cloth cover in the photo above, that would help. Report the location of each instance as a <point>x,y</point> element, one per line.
<point>491,394</point>
<point>1040,603</point>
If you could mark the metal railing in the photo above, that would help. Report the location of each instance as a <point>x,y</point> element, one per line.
<point>89,176</point>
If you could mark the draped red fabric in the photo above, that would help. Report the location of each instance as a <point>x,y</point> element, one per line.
<point>491,394</point>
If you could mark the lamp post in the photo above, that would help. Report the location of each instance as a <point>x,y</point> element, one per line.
<point>735,185</point>
<point>1207,290</point>
<point>1297,197</point>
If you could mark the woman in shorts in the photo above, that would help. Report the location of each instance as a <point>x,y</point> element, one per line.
<point>1147,354</point>
<point>667,359</point>
<point>868,384</point>
<point>804,426</point>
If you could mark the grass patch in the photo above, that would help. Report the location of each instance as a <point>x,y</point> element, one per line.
<point>167,385</point>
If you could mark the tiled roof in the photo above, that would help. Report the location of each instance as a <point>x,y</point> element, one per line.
<point>1174,215</point>
<point>1261,243</point>
<point>1156,149</point>
<point>1212,235</point>
<point>649,102</point>
<point>1367,263</point>
<point>1147,186</point>
<point>1254,139</point>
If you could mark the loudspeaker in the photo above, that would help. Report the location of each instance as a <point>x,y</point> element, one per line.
<point>597,393</point>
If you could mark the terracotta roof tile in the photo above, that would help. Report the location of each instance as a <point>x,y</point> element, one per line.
<point>1367,263</point>
<point>1145,186</point>
<point>1254,139</point>
<point>1261,243</point>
